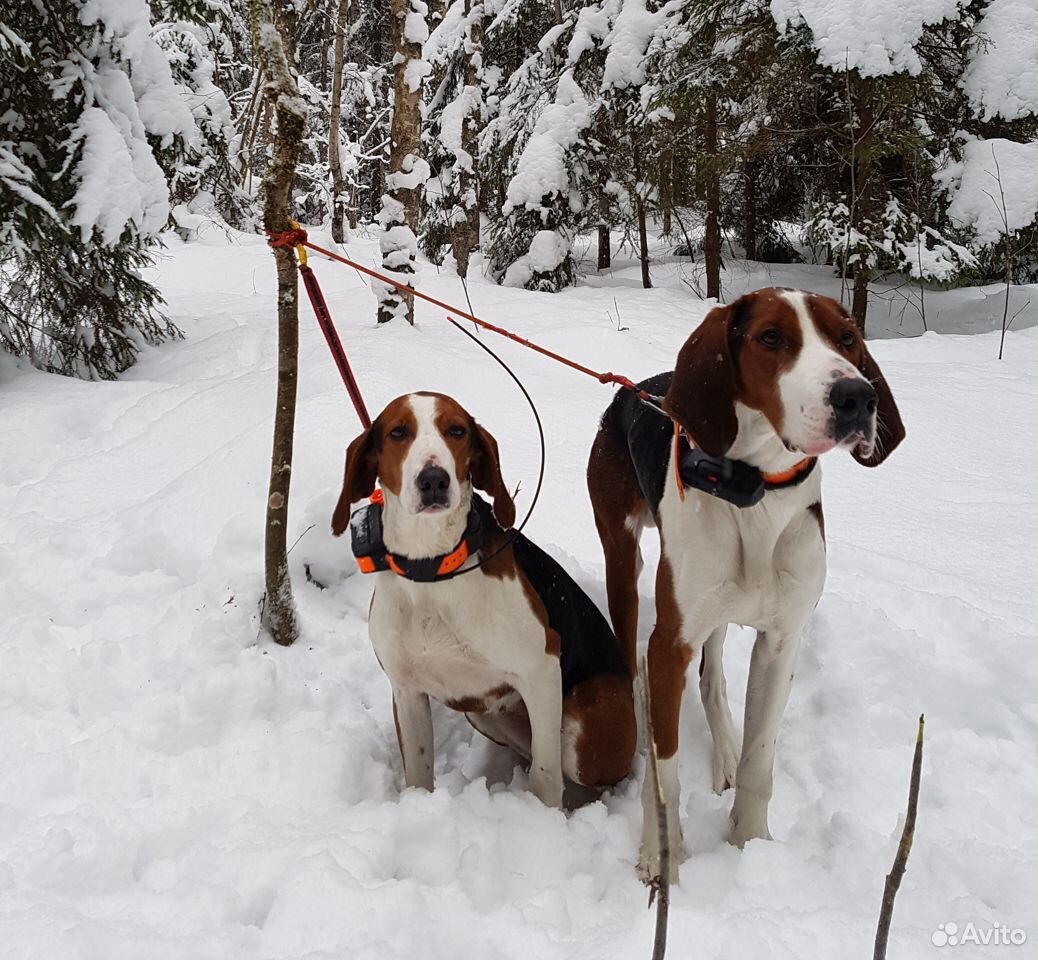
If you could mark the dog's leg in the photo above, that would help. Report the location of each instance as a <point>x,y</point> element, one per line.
<point>414,733</point>
<point>713,688</point>
<point>767,690</point>
<point>668,661</point>
<point>620,516</point>
<point>623,564</point>
<point>541,691</point>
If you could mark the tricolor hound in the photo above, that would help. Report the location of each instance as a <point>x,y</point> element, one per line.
<point>515,645</point>
<point>761,388</point>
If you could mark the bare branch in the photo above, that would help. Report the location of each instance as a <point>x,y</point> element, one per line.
<point>897,871</point>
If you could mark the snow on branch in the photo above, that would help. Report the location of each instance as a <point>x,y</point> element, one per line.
<point>974,180</point>
<point>875,38</point>
<point>1002,77</point>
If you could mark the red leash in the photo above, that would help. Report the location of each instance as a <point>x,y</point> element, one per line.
<point>297,238</point>
<point>324,321</point>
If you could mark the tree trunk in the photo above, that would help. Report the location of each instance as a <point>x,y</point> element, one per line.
<point>465,233</point>
<point>326,31</point>
<point>279,610</point>
<point>399,214</point>
<point>639,202</point>
<point>862,207</point>
<point>667,184</point>
<point>604,258</point>
<point>605,136</point>
<point>285,21</point>
<point>334,133</point>
<point>749,232</point>
<point>712,178</point>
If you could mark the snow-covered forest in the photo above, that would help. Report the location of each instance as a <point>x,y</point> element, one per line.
<point>595,176</point>
<point>890,140</point>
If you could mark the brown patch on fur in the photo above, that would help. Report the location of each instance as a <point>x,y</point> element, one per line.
<point>391,451</point>
<point>616,496</point>
<point>836,327</point>
<point>668,662</point>
<point>702,392</point>
<point>552,641</point>
<point>816,512</point>
<point>725,361</point>
<point>758,365</point>
<point>603,707</point>
<point>374,456</point>
<point>475,454</point>
<point>483,703</point>
<point>486,475</point>
<point>456,426</point>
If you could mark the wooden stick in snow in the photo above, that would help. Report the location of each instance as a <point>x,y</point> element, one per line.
<point>897,871</point>
<point>661,886</point>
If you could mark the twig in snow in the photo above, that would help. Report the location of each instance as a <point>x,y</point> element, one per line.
<point>897,871</point>
<point>619,328</point>
<point>300,537</point>
<point>997,177</point>
<point>660,891</point>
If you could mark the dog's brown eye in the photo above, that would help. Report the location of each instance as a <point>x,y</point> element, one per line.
<point>771,338</point>
<point>847,339</point>
<point>456,432</point>
<point>397,433</point>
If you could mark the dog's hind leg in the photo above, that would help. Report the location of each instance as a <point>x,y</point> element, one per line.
<point>713,689</point>
<point>620,516</point>
<point>507,728</point>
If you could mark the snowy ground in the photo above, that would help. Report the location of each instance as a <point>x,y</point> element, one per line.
<point>172,785</point>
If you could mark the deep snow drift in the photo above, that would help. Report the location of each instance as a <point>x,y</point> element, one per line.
<point>172,785</point>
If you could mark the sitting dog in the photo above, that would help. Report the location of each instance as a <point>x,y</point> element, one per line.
<point>761,389</point>
<point>514,644</point>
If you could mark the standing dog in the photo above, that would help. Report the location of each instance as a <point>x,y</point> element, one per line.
<point>761,388</point>
<point>515,645</point>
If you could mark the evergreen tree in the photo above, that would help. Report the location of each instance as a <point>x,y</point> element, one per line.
<point>94,130</point>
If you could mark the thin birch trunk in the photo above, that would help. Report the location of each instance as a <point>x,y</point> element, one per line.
<point>280,89</point>
<point>334,133</point>
<point>465,233</point>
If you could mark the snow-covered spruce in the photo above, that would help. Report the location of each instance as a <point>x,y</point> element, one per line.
<point>95,128</point>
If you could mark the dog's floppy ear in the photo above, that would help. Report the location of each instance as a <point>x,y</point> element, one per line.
<point>486,475</point>
<point>890,431</point>
<point>702,393</point>
<point>359,478</point>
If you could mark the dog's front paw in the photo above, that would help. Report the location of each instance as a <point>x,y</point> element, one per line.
<point>649,871</point>
<point>747,824</point>
<point>724,764</point>
<point>547,788</point>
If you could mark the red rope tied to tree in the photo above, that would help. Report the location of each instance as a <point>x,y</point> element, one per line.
<point>297,237</point>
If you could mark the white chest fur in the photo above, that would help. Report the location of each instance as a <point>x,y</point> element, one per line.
<point>454,640</point>
<point>763,566</point>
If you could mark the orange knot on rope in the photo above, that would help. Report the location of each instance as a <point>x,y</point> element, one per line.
<point>287,238</point>
<point>618,379</point>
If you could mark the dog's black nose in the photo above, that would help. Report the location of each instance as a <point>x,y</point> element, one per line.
<point>433,484</point>
<point>854,402</point>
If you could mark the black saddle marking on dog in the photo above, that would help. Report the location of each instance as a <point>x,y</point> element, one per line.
<point>649,435</point>
<point>589,646</point>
